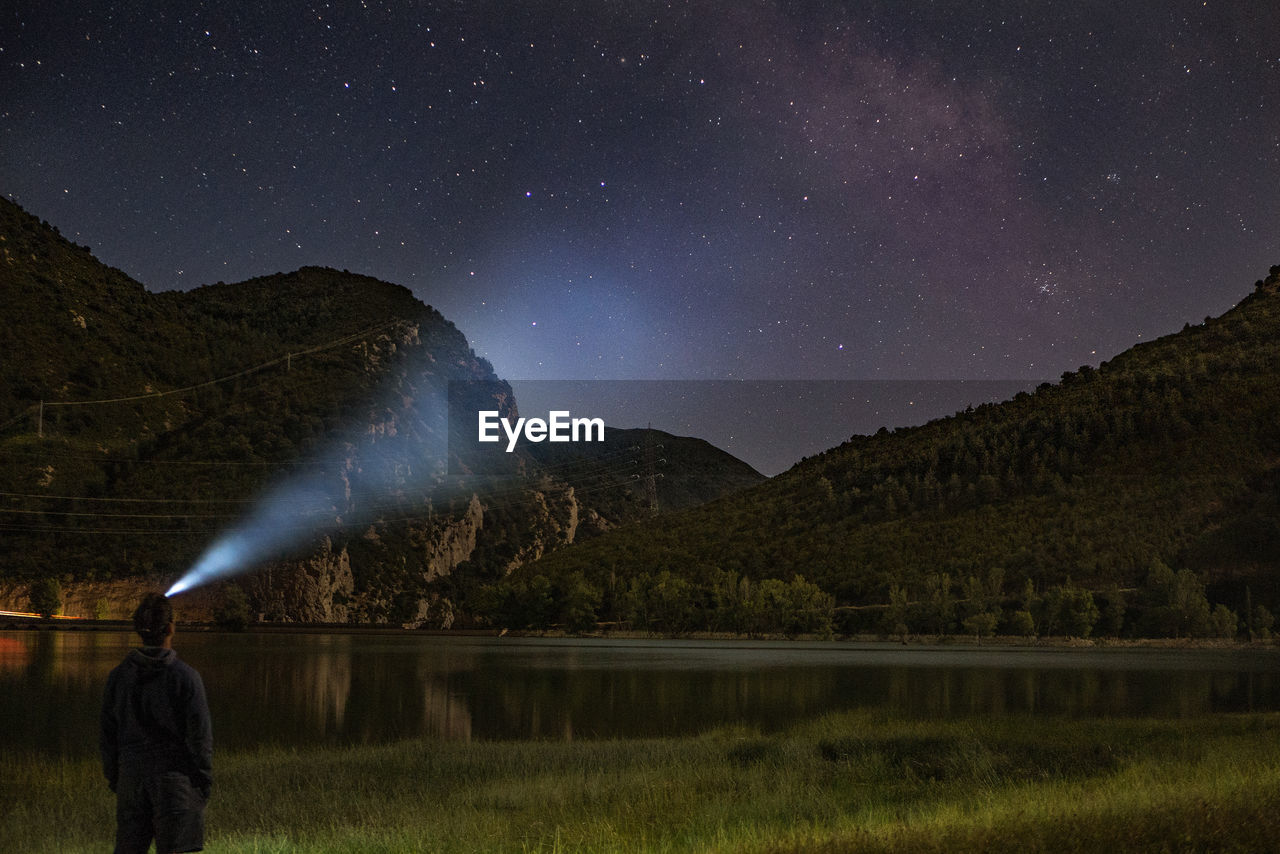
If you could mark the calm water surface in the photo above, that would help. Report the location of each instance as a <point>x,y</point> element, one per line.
<point>303,689</point>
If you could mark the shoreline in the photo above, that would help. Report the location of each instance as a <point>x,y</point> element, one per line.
<point>17,623</point>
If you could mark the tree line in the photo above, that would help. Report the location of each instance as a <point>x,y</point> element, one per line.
<point>1169,604</point>
<point>709,600</point>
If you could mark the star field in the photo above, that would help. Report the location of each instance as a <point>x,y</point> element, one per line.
<point>900,190</point>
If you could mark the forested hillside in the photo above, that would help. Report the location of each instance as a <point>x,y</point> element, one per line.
<point>1107,501</point>
<point>136,426</point>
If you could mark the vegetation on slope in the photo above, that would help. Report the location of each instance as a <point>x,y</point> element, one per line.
<point>1131,491</point>
<point>137,425</point>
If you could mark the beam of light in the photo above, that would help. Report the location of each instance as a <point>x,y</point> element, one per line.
<point>288,517</point>
<point>406,454</point>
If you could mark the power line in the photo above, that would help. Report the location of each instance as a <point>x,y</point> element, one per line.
<point>127,500</point>
<point>37,409</point>
<point>324,521</point>
<point>117,515</point>
<point>591,480</point>
<point>4,452</point>
<point>279,360</point>
<point>96,531</point>
<point>586,472</point>
<point>324,526</point>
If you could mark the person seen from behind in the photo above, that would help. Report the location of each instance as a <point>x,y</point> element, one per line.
<point>157,740</point>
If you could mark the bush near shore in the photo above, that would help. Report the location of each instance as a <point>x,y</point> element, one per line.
<point>849,782</point>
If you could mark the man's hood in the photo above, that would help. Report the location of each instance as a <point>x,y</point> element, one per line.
<point>152,659</point>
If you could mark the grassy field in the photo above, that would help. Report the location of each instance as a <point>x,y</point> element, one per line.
<point>841,784</point>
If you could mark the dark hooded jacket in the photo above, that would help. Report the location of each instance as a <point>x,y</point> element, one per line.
<point>155,719</point>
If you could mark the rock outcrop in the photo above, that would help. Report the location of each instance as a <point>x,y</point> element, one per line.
<point>455,543</point>
<point>316,589</point>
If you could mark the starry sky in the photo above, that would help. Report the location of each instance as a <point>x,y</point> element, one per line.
<point>758,189</point>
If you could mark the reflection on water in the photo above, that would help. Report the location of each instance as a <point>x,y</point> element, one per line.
<point>303,689</point>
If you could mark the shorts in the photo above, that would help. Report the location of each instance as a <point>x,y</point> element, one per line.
<point>164,807</point>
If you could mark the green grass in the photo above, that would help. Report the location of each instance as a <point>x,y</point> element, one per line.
<point>843,783</point>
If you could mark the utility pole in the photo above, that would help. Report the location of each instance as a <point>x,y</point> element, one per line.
<point>40,422</point>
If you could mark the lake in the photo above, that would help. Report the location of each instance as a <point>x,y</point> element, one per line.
<point>340,688</point>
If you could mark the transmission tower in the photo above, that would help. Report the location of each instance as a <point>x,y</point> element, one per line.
<point>650,476</point>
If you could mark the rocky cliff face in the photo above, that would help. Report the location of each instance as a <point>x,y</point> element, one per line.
<point>552,522</point>
<point>455,543</point>
<point>321,588</point>
<point>313,590</point>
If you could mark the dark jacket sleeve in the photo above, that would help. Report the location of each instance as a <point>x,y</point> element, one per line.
<point>199,735</point>
<point>108,735</point>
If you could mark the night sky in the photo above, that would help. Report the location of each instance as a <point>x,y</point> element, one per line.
<point>634,190</point>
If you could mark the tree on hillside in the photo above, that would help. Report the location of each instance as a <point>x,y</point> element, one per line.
<point>1177,605</point>
<point>1022,621</point>
<point>1111,620</point>
<point>808,610</point>
<point>1223,622</point>
<point>663,603</point>
<point>1260,623</point>
<point>938,604</point>
<point>1068,610</point>
<point>982,602</point>
<point>233,614</point>
<point>46,597</point>
<point>730,595</point>
<point>895,616</point>
<point>580,602</point>
<point>1188,605</point>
